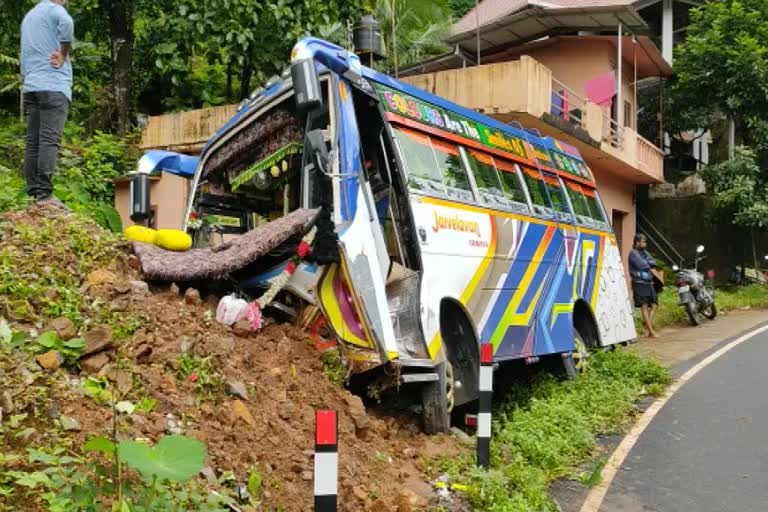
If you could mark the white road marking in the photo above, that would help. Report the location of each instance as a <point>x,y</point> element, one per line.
<point>597,494</point>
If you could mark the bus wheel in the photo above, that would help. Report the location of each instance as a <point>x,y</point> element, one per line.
<point>577,361</point>
<point>437,400</point>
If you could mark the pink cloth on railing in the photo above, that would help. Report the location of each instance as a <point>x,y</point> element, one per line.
<point>601,89</point>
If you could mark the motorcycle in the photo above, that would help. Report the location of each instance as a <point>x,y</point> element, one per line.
<point>696,297</point>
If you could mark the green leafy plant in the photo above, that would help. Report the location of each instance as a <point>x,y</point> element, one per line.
<point>333,367</point>
<point>200,371</point>
<point>70,349</point>
<point>98,389</point>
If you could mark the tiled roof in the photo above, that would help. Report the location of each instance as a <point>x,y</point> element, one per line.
<point>491,10</point>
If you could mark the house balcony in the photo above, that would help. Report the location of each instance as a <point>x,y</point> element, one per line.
<point>525,91</point>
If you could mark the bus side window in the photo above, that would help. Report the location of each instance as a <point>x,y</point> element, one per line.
<point>510,182</point>
<point>454,174</point>
<point>579,203</point>
<point>596,210</point>
<point>537,190</point>
<point>420,163</point>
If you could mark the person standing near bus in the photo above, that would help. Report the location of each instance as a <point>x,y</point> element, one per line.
<point>641,265</point>
<point>47,33</point>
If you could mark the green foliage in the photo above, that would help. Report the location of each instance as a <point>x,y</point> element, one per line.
<point>548,427</point>
<point>722,68</point>
<point>174,458</point>
<point>98,389</point>
<point>333,367</point>
<point>201,371</point>
<point>461,7</point>
<point>739,189</point>
<point>70,349</point>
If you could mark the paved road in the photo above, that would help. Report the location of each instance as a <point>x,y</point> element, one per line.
<point>707,450</point>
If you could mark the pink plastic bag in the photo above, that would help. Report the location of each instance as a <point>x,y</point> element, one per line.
<point>231,310</point>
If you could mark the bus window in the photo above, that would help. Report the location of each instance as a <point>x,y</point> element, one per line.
<point>596,211</point>
<point>579,203</point>
<point>510,181</point>
<point>537,189</point>
<point>556,195</point>
<point>491,184</point>
<point>419,161</point>
<point>453,171</point>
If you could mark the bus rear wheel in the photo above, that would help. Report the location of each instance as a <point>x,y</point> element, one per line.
<point>437,400</point>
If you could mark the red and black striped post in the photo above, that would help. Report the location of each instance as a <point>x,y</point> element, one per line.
<point>326,461</point>
<point>484,410</point>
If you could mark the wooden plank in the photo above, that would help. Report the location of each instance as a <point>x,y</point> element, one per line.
<point>185,131</point>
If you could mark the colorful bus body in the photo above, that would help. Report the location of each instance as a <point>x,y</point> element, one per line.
<point>454,230</point>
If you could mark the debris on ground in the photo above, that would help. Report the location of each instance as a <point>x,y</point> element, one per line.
<point>250,397</point>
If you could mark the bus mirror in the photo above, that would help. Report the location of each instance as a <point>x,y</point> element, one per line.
<point>306,86</point>
<point>315,144</point>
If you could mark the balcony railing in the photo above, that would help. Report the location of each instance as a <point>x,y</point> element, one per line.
<point>650,158</point>
<point>566,104</point>
<point>612,132</point>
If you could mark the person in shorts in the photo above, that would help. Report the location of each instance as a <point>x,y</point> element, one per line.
<point>640,265</point>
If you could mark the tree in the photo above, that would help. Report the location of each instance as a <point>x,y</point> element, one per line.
<point>740,192</point>
<point>722,70</point>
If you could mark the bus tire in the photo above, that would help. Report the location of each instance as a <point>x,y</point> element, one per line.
<point>436,414</point>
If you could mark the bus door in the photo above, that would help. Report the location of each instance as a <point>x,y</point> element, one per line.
<point>365,260</point>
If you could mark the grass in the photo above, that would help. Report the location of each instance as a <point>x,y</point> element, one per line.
<point>547,427</point>
<point>727,299</point>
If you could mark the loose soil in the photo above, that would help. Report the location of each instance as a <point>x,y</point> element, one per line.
<point>381,458</point>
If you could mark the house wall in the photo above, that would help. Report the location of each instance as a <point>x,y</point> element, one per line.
<point>618,196</point>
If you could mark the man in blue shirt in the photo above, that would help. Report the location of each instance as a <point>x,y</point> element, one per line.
<point>640,265</point>
<point>47,33</point>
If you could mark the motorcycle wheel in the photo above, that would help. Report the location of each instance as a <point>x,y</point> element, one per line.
<point>693,313</point>
<point>710,312</point>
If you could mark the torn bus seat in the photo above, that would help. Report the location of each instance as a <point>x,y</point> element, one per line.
<point>218,262</point>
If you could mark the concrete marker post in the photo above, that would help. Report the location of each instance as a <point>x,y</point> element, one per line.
<point>326,461</point>
<point>484,409</point>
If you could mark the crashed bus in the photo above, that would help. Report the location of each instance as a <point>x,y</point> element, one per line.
<point>448,228</point>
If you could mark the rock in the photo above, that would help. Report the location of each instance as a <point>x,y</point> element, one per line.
<point>242,328</point>
<point>122,379</point>
<point>360,493</point>
<point>237,388</point>
<point>410,453</point>
<point>139,287</point>
<point>307,475</point>
<point>50,360</point>
<point>409,501</point>
<point>93,364</point>
<point>185,344</point>
<point>69,424</point>
<point>286,411</point>
<point>97,340</point>
<point>53,410</point>
<point>210,476</point>
<point>64,328</point>
<point>240,411</point>
<point>6,403</point>
<point>192,297</point>
<point>242,493</point>
<point>100,277</point>
<point>173,425</point>
<point>175,289</point>
<point>357,411</point>
<point>133,262</point>
<point>142,353</point>
<point>121,287</point>
<point>119,304</point>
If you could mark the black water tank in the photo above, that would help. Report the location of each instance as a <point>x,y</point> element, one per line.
<point>140,208</point>
<point>367,38</point>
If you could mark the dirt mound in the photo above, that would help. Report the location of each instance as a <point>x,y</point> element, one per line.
<point>251,397</point>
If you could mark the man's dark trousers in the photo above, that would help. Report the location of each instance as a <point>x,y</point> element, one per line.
<point>46,113</point>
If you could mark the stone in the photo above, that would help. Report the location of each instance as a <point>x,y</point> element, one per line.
<point>64,328</point>
<point>53,411</point>
<point>121,287</point>
<point>175,289</point>
<point>192,297</point>
<point>70,424</point>
<point>307,475</point>
<point>210,476</point>
<point>122,379</point>
<point>50,360</point>
<point>93,364</point>
<point>185,344</point>
<point>6,402</point>
<point>360,493</point>
<point>237,388</point>
<point>142,353</point>
<point>100,277</point>
<point>97,340</point>
<point>242,328</point>
<point>139,287</point>
<point>240,412</point>
<point>409,501</point>
<point>133,262</point>
<point>119,305</point>
<point>286,411</point>
<point>357,411</point>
